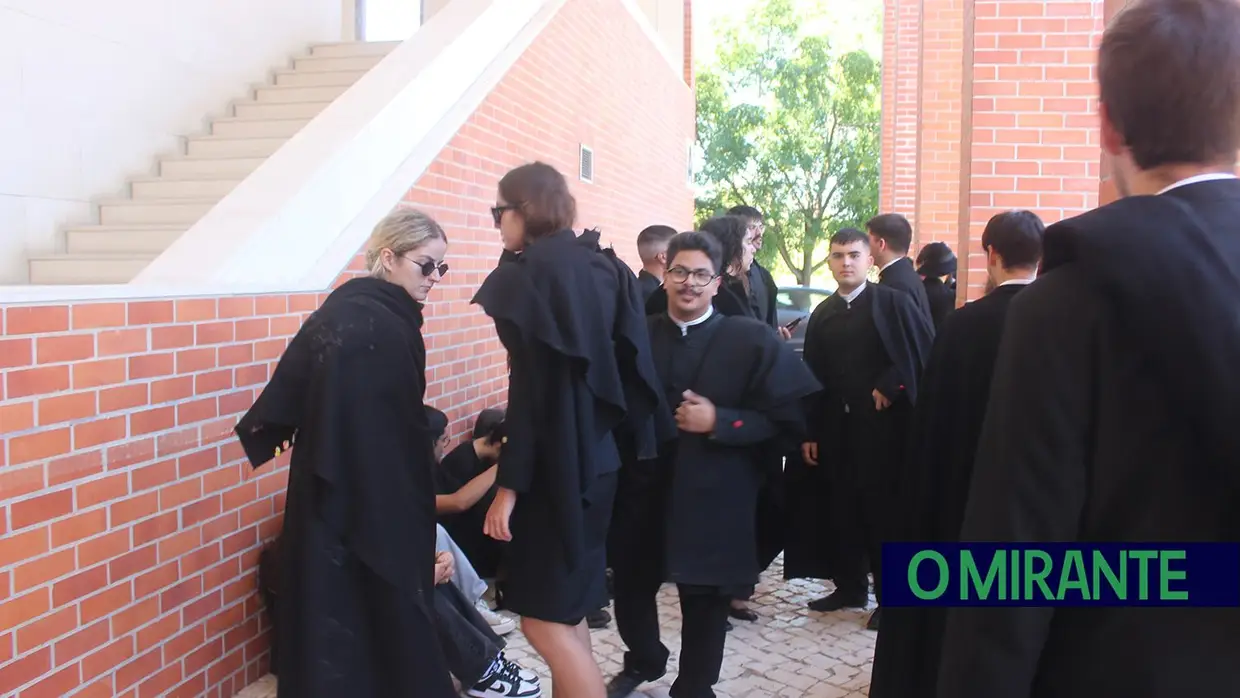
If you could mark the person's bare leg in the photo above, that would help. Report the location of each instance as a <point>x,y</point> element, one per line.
<point>574,673</point>
<point>583,634</point>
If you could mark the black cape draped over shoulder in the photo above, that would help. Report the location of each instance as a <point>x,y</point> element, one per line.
<point>550,305</point>
<point>358,542</point>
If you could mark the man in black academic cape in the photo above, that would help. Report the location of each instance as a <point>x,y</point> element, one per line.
<point>955,390</point>
<point>867,344</point>
<point>737,391</point>
<point>1116,394</point>
<point>891,236</point>
<point>652,249</point>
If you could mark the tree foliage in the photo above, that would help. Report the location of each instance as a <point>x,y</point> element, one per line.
<point>790,126</point>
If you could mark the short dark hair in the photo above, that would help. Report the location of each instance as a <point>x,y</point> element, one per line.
<point>489,425</point>
<point>730,232</point>
<point>1169,77</point>
<point>847,236</point>
<point>437,421</point>
<point>694,241</point>
<point>651,239</point>
<point>541,193</point>
<point>893,228</point>
<point>746,212</point>
<point>1017,237</point>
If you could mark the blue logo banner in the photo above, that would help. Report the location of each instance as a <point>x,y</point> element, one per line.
<point>1061,574</point>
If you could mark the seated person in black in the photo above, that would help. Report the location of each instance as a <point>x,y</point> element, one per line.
<point>474,653</point>
<point>462,473</point>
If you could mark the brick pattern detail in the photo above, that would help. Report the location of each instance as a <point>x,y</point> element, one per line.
<point>689,72</point>
<point>941,142</point>
<point>903,103</point>
<point>130,523</point>
<point>1035,123</point>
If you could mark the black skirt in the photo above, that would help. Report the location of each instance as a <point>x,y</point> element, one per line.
<point>538,582</point>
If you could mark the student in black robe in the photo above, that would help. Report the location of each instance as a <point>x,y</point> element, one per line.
<point>652,249</point>
<point>733,296</point>
<point>1116,394</point>
<point>358,539</point>
<point>936,265</point>
<point>867,344</point>
<point>738,391</point>
<point>569,314</point>
<point>762,288</point>
<point>891,236</point>
<point>953,395</point>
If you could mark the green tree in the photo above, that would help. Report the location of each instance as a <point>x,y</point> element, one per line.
<point>790,126</point>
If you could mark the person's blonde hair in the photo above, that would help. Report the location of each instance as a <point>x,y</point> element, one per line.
<point>400,231</point>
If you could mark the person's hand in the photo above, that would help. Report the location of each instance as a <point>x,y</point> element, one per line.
<point>785,333</point>
<point>496,525</point>
<point>445,567</point>
<point>696,415</point>
<point>880,401</point>
<point>809,451</point>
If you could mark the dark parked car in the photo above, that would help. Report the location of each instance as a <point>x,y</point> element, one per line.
<point>797,302</point>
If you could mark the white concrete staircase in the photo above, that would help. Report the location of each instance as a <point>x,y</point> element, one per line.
<point>133,231</point>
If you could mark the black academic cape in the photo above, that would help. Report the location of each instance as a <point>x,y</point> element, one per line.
<point>942,299</point>
<point>574,378</point>
<point>358,540</point>
<point>1113,417</point>
<point>709,484</point>
<point>647,283</point>
<point>731,300</point>
<point>954,391</point>
<point>759,275</point>
<point>907,336</point>
<point>903,276</point>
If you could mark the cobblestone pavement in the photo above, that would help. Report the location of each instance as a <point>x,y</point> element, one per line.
<point>790,651</point>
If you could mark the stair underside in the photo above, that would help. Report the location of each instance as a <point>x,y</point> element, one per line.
<point>132,231</point>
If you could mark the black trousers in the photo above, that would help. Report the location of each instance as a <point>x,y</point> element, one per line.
<point>861,503</point>
<point>704,612</point>
<point>469,644</point>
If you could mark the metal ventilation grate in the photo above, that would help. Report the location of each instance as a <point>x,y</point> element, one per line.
<point>586,164</point>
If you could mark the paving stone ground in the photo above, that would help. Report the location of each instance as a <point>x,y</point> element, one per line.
<point>789,652</point>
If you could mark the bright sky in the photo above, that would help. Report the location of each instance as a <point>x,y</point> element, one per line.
<point>858,23</point>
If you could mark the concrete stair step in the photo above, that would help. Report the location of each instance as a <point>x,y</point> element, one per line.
<point>353,48</point>
<point>141,240</point>
<point>294,95</point>
<point>230,147</point>
<point>252,109</point>
<point>299,78</point>
<point>154,211</point>
<point>87,268</point>
<point>235,127</point>
<point>317,64</point>
<point>147,188</point>
<point>208,168</point>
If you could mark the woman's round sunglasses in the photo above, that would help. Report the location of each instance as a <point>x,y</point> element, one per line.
<point>429,268</point>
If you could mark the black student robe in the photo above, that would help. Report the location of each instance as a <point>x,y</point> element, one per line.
<point>461,465</point>
<point>933,490</point>
<point>1113,417</point>
<point>358,541</point>
<point>942,299</point>
<point>902,276</point>
<point>906,336</point>
<point>647,283</point>
<point>569,314</point>
<point>757,385</point>
<point>762,294</point>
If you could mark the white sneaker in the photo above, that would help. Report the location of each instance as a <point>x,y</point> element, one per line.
<point>499,624</point>
<point>505,682</point>
<point>526,675</point>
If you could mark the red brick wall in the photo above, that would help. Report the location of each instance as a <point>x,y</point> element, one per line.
<point>130,525</point>
<point>1035,125</point>
<point>940,141</point>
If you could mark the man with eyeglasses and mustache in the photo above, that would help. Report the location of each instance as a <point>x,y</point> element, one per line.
<point>736,391</point>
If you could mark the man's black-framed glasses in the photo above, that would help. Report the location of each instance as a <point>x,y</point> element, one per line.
<point>695,277</point>
<point>429,268</point>
<point>497,212</point>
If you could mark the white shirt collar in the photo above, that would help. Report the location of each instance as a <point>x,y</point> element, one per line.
<point>884,267</point>
<point>684,326</point>
<point>853,296</point>
<point>1016,282</point>
<point>1207,177</point>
